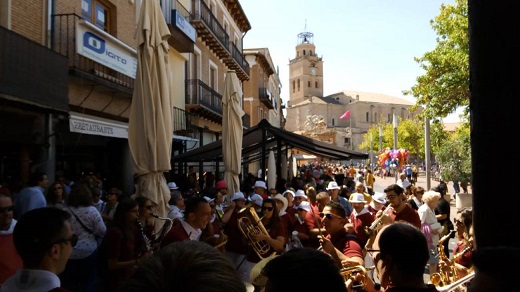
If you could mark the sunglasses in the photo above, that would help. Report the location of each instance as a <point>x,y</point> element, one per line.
<point>73,240</point>
<point>330,216</point>
<point>267,208</point>
<point>6,209</point>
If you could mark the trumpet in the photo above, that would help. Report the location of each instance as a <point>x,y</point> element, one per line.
<point>370,230</point>
<point>352,271</point>
<point>164,229</point>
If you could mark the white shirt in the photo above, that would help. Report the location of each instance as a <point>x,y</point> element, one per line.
<point>87,242</point>
<point>193,233</point>
<point>33,281</point>
<point>428,216</point>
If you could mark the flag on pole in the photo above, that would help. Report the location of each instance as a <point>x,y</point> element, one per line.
<point>346,115</point>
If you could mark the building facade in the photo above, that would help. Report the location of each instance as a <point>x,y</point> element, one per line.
<point>312,114</point>
<point>67,85</point>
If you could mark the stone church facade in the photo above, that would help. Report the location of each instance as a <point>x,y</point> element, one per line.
<point>312,114</point>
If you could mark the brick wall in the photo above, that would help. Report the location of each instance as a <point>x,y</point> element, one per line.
<point>27,19</point>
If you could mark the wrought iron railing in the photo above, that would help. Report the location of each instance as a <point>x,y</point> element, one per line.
<point>168,5</point>
<point>239,58</point>
<point>63,41</point>
<point>181,119</point>
<point>198,92</point>
<point>265,97</point>
<point>202,12</point>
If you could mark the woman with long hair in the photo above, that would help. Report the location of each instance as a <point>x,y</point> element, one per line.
<point>277,233</point>
<point>147,221</point>
<point>123,245</point>
<point>86,222</point>
<point>56,195</point>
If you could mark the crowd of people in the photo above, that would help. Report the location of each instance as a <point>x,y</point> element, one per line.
<point>327,221</point>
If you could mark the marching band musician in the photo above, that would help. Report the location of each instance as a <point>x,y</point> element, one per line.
<point>197,216</point>
<point>122,245</point>
<point>400,254</point>
<point>401,211</point>
<point>146,219</point>
<point>463,251</point>
<point>360,218</point>
<point>236,248</point>
<point>212,234</point>
<point>378,203</point>
<point>342,246</point>
<point>277,233</point>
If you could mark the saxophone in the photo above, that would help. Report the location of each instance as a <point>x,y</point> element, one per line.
<point>442,278</point>
<point>146,240</point>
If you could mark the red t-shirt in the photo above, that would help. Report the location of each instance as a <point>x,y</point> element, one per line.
<point>359,223</point>
<point>408,214</point>
<point>465,258</point>
<point>346,243</point>
<point>10,261</point>
<point>122,249</point>
<point>374,211</point>
<point>273,233</point>
<point>303,228</point>
<point>236,242</point>
<point>313,218</point>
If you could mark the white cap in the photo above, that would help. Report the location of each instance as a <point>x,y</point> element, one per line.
<point>257,199</point>
<point>333,186</point>
<point>238,196</point>
<point>172,186</point>
<point>208,199</point>
<point>305,206</point>
<point>288,191</point>
<point>358,198</point>
<point>379,197</point>
<point>260,184</point>
<point>406,184</point>
<point>300,193</point>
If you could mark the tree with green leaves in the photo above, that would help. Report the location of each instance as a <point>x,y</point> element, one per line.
<point>453,157</point>
<point>445,85</point>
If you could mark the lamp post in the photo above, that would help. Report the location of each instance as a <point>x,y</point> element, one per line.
<point>395,141</point>
<point>380,137</point>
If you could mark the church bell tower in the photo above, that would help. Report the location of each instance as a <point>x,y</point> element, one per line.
<point>305,71</point>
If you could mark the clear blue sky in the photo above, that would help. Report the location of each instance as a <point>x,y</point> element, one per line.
<point>366,45</point>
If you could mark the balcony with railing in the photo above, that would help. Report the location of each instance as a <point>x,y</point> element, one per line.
<point>202,100</point>
<point>182,122</point>
<point>216,38</point>
<point>32,72</point>
<point>64,28</point>
<point>265,97</point>
<point>183,34</point>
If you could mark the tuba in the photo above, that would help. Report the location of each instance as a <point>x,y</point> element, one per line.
<point>164,229</point>
<point>251,225</point>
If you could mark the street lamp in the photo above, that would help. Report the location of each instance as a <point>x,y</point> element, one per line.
<point>395,137</point>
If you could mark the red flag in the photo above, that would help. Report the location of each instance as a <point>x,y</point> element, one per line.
<point>346,115</point>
